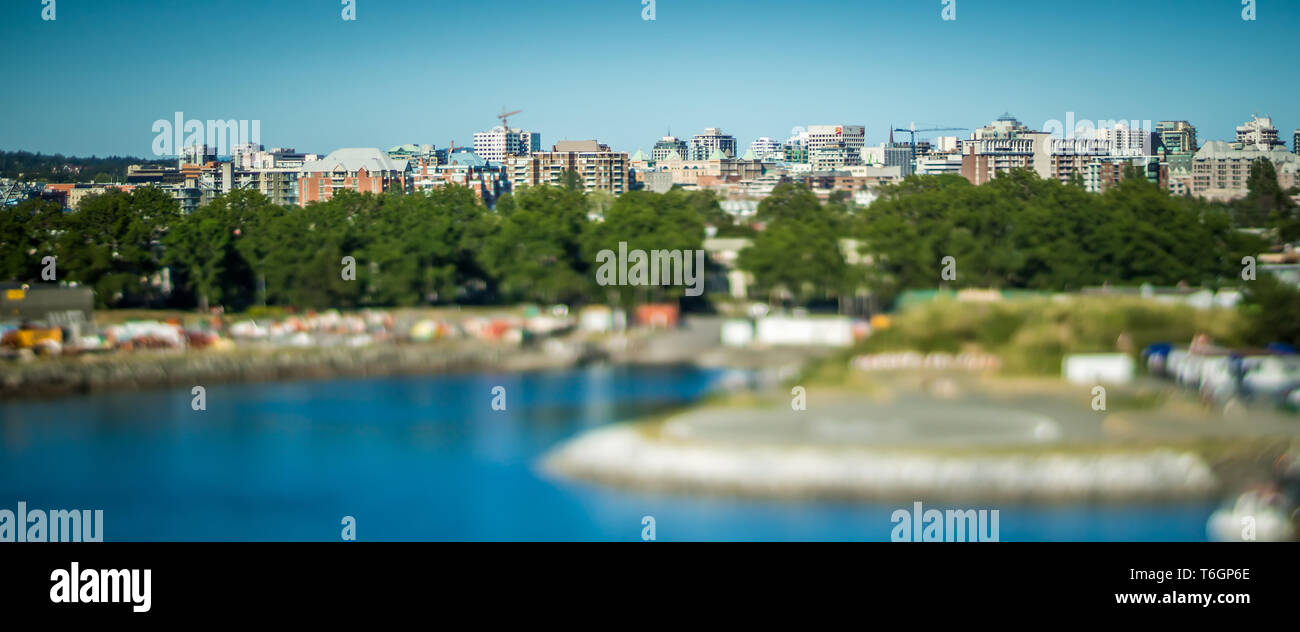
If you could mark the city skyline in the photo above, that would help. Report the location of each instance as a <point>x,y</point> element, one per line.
<point>586,70</point>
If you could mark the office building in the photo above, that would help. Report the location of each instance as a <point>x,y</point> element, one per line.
<point>1176,136</point>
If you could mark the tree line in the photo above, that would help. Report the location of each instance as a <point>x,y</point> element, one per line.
<point>539,244</point>
<point>57,168</point>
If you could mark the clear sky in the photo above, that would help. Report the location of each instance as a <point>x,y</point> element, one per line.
<point>95,79</point>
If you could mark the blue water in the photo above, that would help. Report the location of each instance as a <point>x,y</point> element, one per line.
<point>423,458</point>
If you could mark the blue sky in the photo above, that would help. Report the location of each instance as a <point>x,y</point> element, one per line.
<point>429,71</point>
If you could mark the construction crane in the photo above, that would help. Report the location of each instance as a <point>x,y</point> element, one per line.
<point>505,115</point>
<point>913,132</point>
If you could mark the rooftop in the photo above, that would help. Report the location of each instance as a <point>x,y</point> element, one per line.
<point>354,159</point>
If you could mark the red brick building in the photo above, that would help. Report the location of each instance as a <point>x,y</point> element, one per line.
<point>365,170</point>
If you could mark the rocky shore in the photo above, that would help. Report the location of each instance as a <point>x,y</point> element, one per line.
<point>39,378</point>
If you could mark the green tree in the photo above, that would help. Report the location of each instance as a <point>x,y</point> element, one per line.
<point>648,222</point>
<point>536,252</point>
<point>1269,308</point>
<point>113,243</point>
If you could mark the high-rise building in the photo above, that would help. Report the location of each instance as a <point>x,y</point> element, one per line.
<point>242,154</point>
<point>852,137</point>
<point>1258,133</point>
<point>497,143</point>
<point>947,144</point>
<point>597,166</point>
<point>765,148</point>
<point>666,146</point>
<point>1177,136</point>
<point>1006,126</point>
<point>898,156</point>
<point>983,159</point>
<point>834,157</point>
<point>1126,141</point>
<point>197,155</point>
<point>703,145</point>
<point>1295,142</point>
<point>796,149</point>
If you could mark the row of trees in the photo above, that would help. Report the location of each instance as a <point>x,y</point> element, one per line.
<point>25,165</point>
<point>541,243</point>
<point>241,250</point>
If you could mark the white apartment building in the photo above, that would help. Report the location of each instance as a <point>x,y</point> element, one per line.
<point>947,144</point>
<point>1258,133</point>
<point>495,144</point>
<point>278,158</point>
<point>703,145</point>
<point>1128,142</point>
<point>242,154</point>
<point>197,155</point>
<point>852,137</point>
<point>934,165</point>
<point>764,148</point>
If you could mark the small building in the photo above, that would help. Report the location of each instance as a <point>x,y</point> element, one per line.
<point>50,304</point>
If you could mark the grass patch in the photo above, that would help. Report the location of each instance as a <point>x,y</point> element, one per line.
<point>1032,336</point>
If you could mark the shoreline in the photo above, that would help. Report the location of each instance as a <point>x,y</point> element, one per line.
<point>901,437</point>
<point>42,378</point>
<point>145,370</point>
<point>624,456</point>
